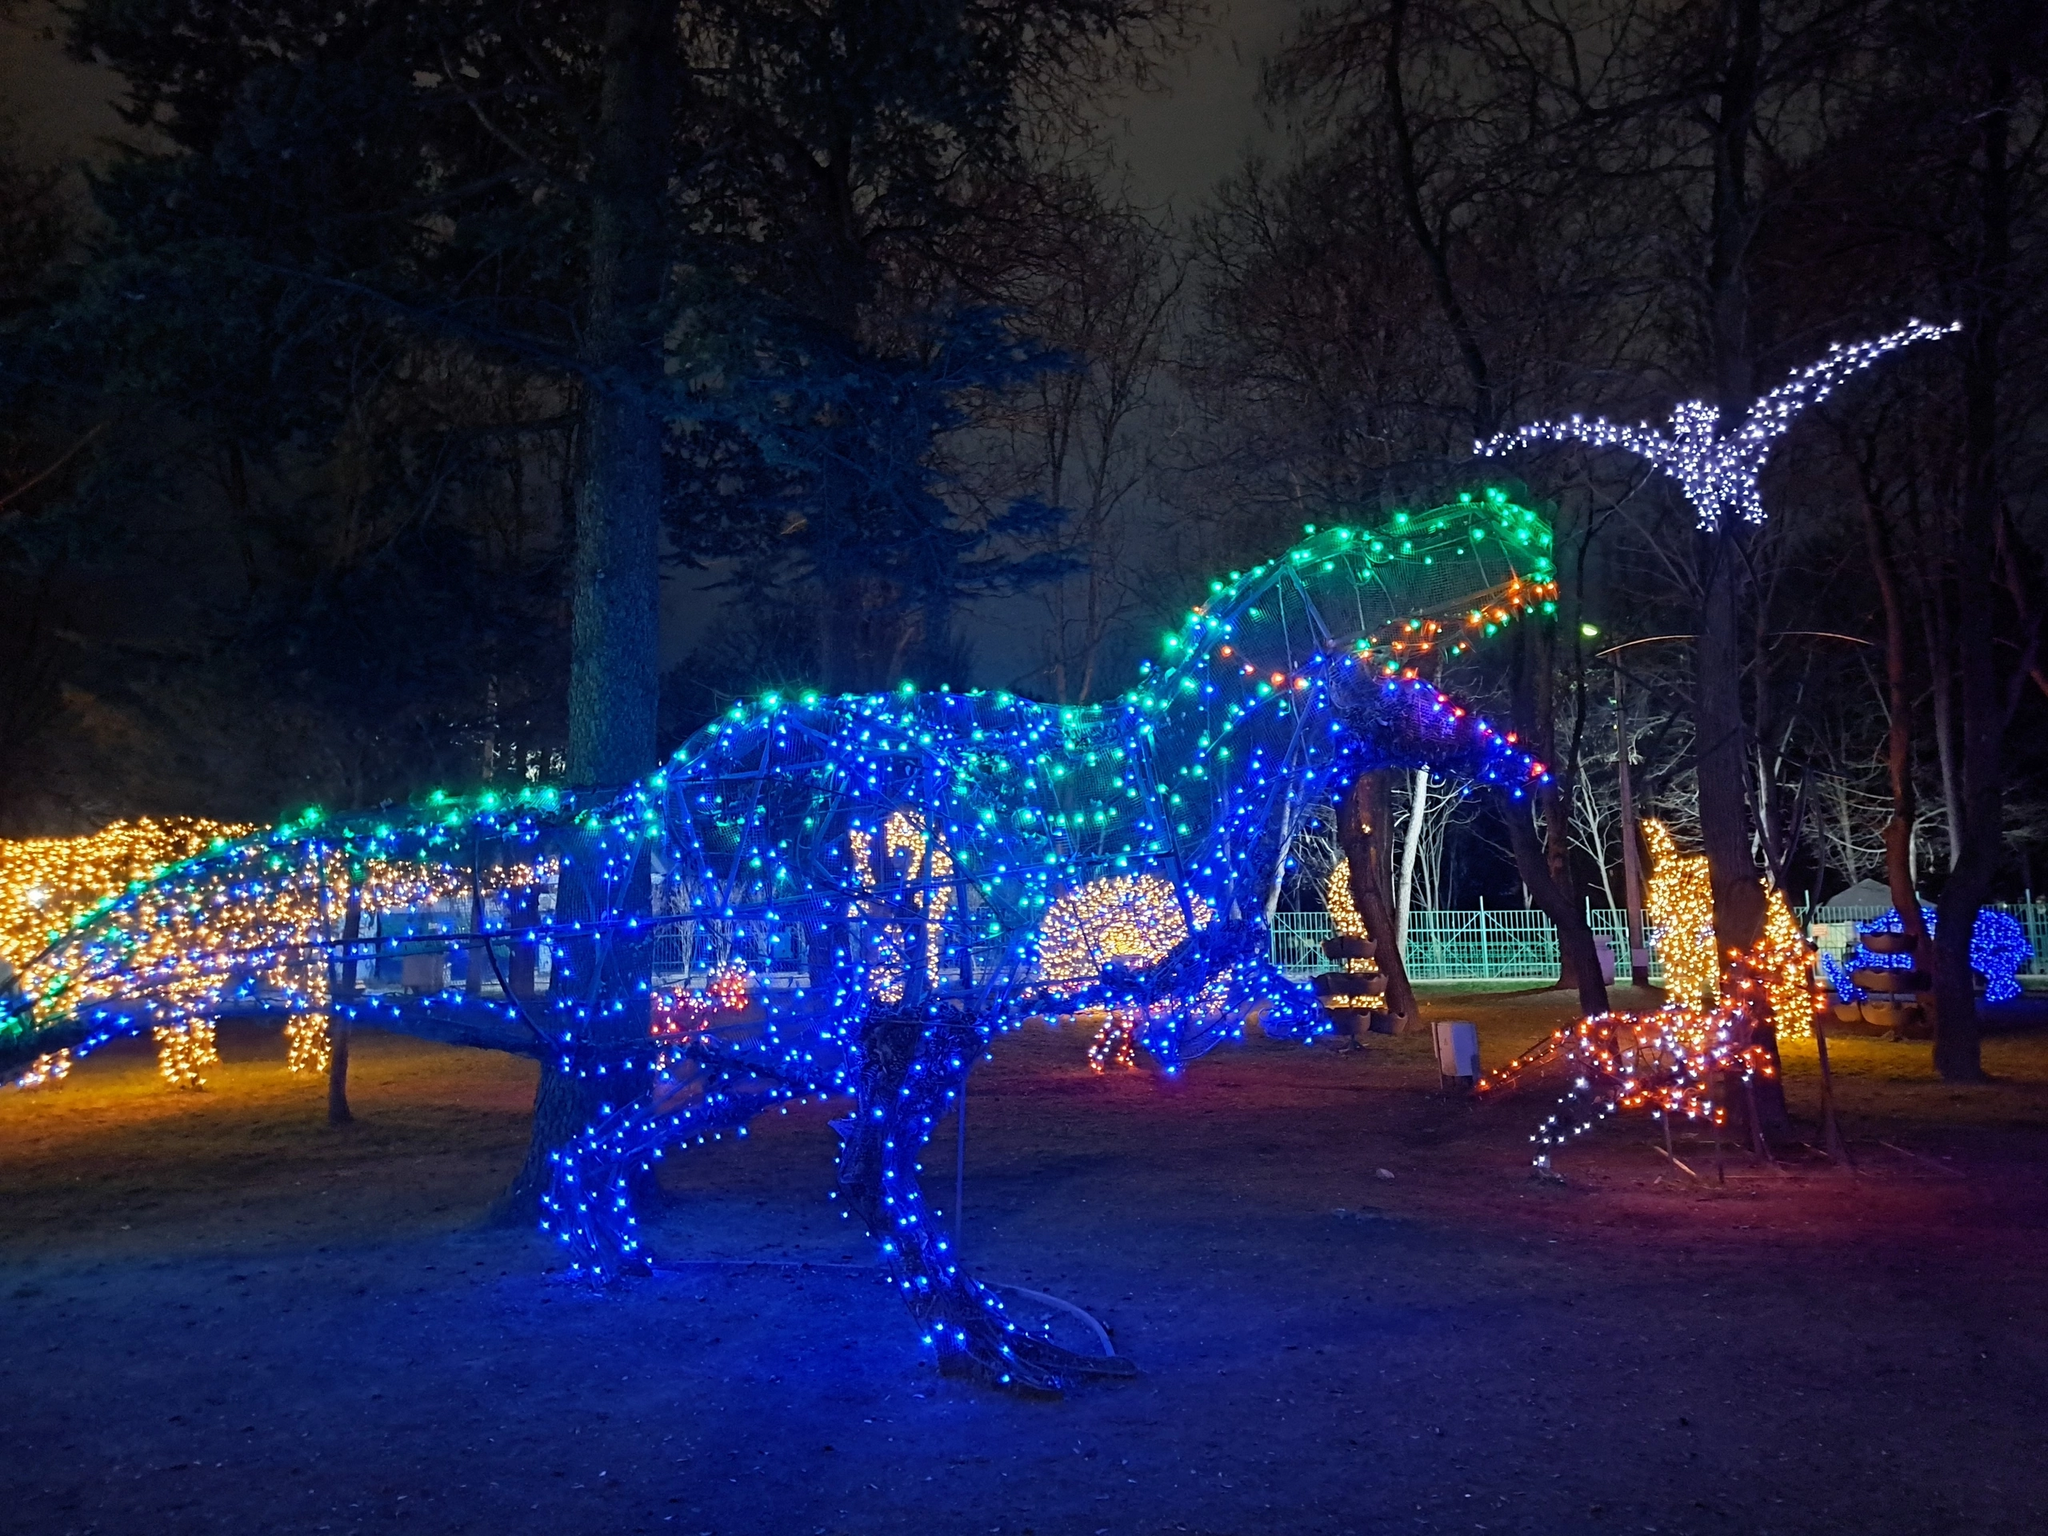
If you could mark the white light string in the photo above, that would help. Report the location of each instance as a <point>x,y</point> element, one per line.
<point>1719,473</point>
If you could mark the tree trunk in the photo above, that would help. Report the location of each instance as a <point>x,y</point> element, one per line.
<point>1720,758</point>
<point>1898,832</point>
<point>1721,754</point>
<point>615,637</point>
<point>615,626</point>
<point>476,959</point>
<point>522,966</point>
<point>1722,765</point>
<point>1411,844</point>
<point>1545,864</point>
<point>1539,734</point>
<point>1573,936</point>
<point>1957,1047</point>
<point>1364,827</point>
<point>615,656</point>
<point>1631,843</point>
<point>596,985</point>
<point>341,989</point>
<point>1940,650</point>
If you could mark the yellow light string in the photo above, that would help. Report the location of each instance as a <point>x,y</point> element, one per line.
<point>1133,920</point>
<point>190,946</point>
<point>1116,1042</point>
<point>307,1044</point>
<point>195,945</point>
<point>47,883</point>
<point>903,847</point>
<point>185,1051</point>
<point>1348,924</point>
<point>1679,902</point>
<point>50,1067</point>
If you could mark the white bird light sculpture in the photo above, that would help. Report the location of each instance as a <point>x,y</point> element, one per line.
<point>1720,473</point>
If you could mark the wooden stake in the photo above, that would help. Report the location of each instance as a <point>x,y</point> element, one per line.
<point>1757,1143</point>
<point>1675,1162</point>
<point>1714,1114</point>
<point>1837,1148</point>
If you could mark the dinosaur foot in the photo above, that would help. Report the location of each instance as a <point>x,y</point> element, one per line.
<point>978,1340</point>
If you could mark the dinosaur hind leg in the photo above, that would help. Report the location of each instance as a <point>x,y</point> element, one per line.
<point>589,1203</point>
<point>913,1064</point>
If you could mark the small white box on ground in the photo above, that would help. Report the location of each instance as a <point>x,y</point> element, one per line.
<point>1457,1051</point>
<point>424,973</point>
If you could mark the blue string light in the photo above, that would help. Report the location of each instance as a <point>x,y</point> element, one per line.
<point>1998,951</point>
<point>868,875</point>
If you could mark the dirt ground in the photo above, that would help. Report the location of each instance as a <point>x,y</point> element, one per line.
<point>1352,1308</point>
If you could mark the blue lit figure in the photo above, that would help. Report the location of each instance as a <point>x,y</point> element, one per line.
<point>1998,949</point>
<point>880,865</point>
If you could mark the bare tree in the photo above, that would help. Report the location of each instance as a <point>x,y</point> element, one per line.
<point>1086,436</point>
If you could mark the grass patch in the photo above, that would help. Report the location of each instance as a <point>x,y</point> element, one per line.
<point>113,1159</point>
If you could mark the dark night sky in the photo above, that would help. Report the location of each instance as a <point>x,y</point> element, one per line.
<point>1179,143</point>
<point>61,107</point>
<point>1175,142</point>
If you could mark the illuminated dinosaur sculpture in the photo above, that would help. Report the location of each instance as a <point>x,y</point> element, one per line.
<point>867,878</point>
<point>1713,1035</point>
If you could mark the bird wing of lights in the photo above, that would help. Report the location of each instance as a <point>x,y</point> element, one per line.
<point>1642,440</point>
<point>1719,473</point>
<point>1772,416</point>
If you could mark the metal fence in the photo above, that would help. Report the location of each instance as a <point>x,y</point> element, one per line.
<point>1444,944</point>
<point>1520,944</point>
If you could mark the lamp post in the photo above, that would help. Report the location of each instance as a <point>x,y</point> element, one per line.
<point>1631,849</point>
